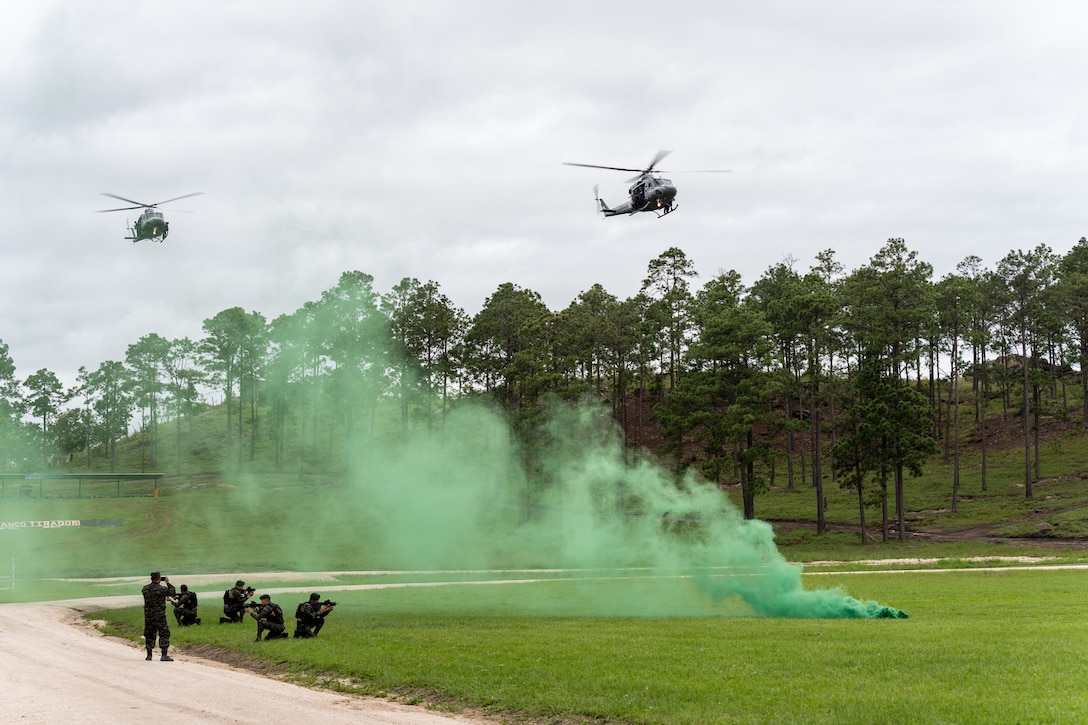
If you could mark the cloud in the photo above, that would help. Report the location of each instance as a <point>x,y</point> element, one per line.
<point>425,140</point>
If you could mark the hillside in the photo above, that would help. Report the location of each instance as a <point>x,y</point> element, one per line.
<point>1056,513</point>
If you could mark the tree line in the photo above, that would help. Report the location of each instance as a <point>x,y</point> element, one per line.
<point>811,376</point>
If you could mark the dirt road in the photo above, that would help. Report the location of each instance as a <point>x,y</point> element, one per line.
<point>53,668</point>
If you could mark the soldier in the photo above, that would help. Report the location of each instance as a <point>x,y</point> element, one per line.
<point>234,602</point>
<point>185,607</point>
<point>155,595</point>
<point>269,617</point>
<point>310,616</point>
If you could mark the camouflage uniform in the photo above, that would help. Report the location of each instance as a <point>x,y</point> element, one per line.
<point>185,608</point>
<point>155,624</point>
<point>310,618</point>
<point>234,600</point>
<point>269,619</point>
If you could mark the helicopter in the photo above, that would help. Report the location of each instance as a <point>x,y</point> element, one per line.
<point>151,225</point>
<point>649,192</point>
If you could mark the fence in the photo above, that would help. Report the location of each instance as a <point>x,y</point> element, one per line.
<point>51,486</point>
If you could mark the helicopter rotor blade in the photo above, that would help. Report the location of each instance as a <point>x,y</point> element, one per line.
<point>176,198</point>
<point>696,171</point>
<point>124,208</point>
<point>657,159</point>
<point>595,166</point>
<point>130,201</point>
<point>651,169</point>
<point>640,172</point>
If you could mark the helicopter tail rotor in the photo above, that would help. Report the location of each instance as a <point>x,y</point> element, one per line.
<point>603,207</point>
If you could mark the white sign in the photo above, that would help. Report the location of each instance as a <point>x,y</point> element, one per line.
<point>5,525</point>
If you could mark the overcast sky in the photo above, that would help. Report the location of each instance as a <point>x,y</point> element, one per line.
<point>425,139</point>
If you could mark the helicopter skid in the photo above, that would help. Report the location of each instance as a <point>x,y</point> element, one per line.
<point>666,211</point>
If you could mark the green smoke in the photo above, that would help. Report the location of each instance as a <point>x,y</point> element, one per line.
<point>470,497</point>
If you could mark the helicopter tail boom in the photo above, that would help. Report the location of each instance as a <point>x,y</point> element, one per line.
<point>605,209</point>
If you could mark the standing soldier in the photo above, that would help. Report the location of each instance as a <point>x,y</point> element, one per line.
<point>269,618</point>
<point>185,607</point>
<point>155,595</point>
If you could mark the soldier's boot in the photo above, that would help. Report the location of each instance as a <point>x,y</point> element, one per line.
<point>224,620</point>
<point>149,653</point>
<point>165,657</point>
<point>198,620</point>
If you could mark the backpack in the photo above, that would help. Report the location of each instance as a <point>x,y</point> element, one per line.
<point>226,597</point>
<point>299,614</point>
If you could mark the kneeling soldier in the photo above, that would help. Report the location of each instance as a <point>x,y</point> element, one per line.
<point>310,616</point>
<point>234,602</point>
<point>185,607</point>
<point>269,618</point>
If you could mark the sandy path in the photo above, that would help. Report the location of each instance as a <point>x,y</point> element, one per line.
<point>54,669</point>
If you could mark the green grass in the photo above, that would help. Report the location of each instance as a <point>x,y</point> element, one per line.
<point>1010,642</point>
<point>980,647</point>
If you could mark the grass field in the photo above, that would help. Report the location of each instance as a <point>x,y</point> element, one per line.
<point>980,647</point>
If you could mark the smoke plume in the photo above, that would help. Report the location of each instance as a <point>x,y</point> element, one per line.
<point>469,497</point>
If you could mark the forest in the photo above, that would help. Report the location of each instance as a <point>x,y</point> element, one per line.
<point>818,376</point>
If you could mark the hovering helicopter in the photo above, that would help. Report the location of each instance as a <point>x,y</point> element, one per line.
<point>649,192</point>
<point>151,225</point>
